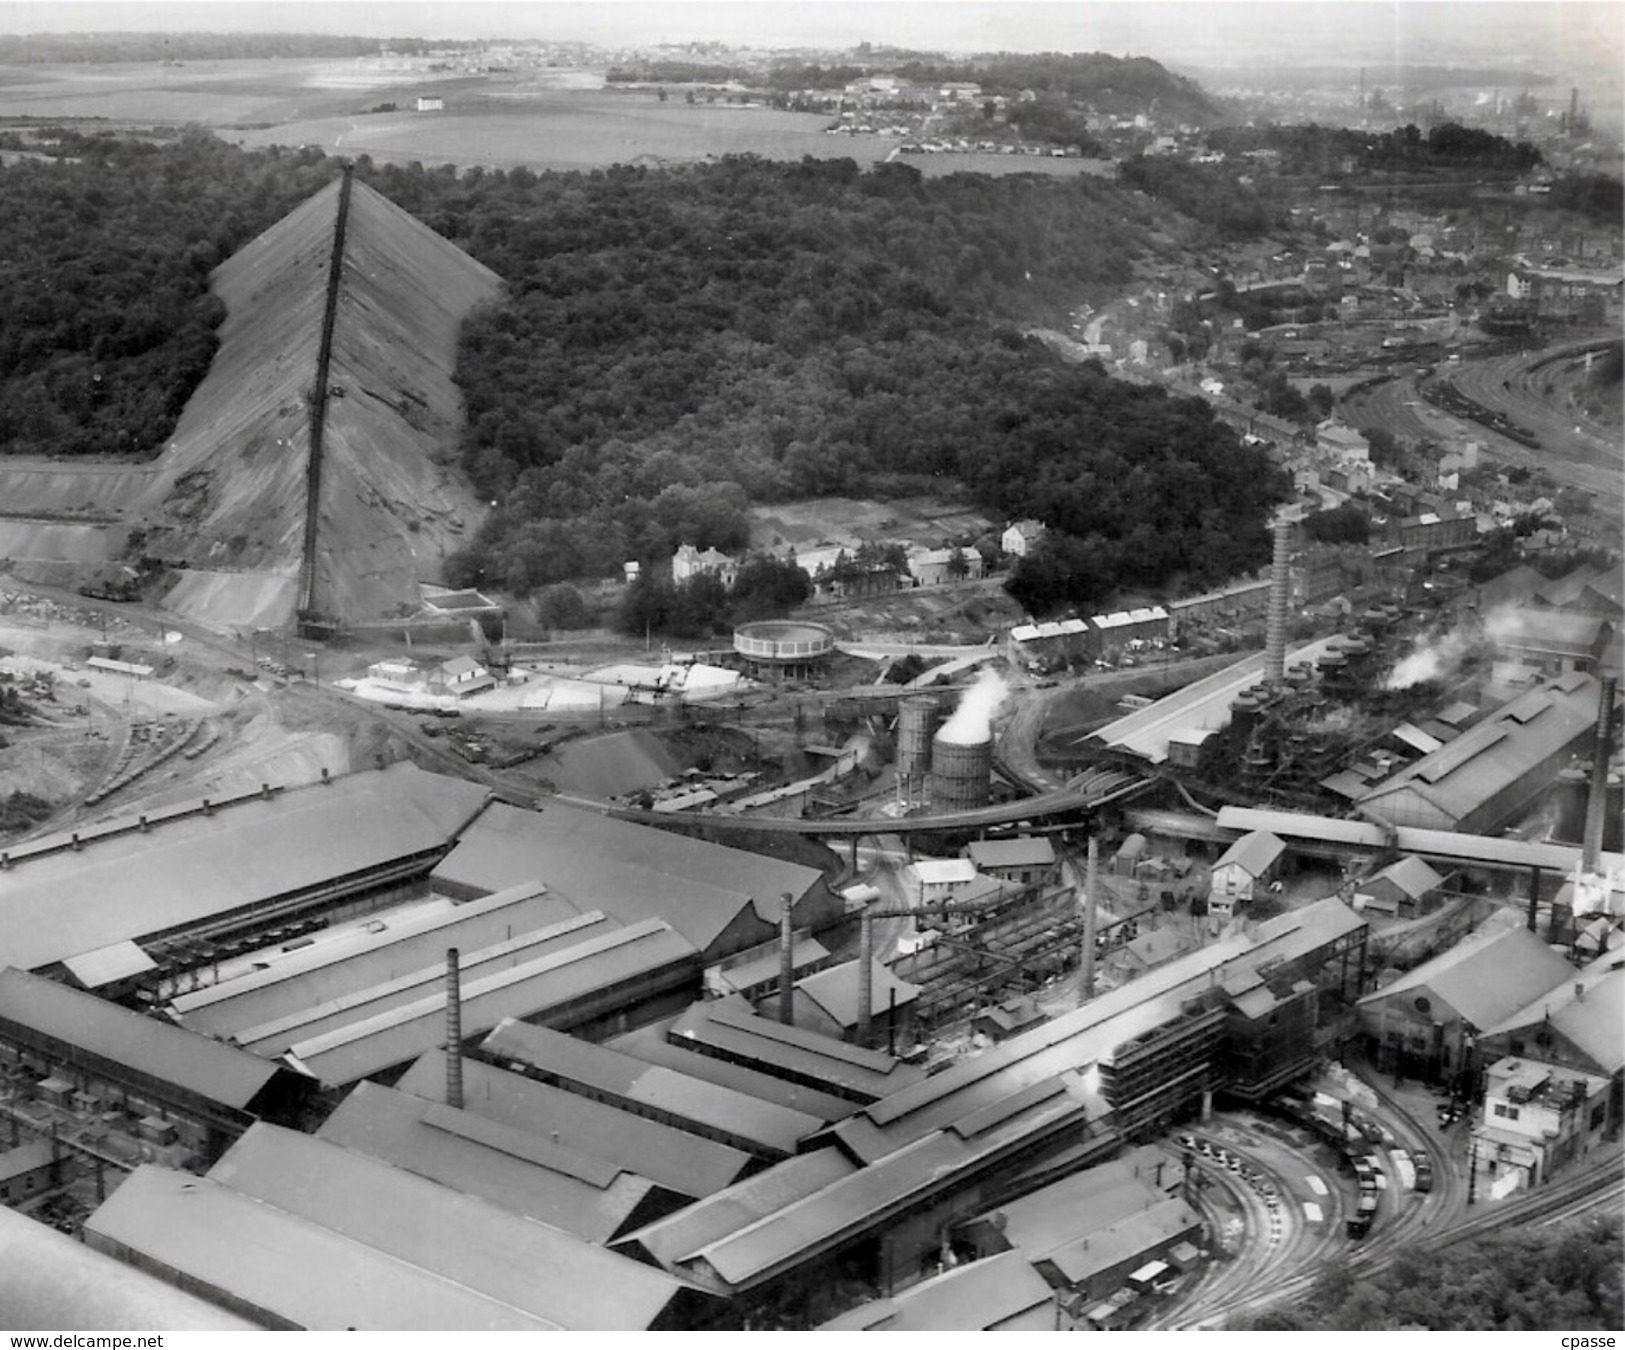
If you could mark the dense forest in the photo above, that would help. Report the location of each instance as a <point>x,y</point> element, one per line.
<point>109,324</point>
<point>1517,1281</point>
<point>673,347</point>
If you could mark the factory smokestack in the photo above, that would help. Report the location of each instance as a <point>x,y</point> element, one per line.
<point>1091,896</point>
<point>787,963</point>
<point>866,976</point>
<point>1597,801</point>
<point>454,1032</point>
<point>1280,586</point>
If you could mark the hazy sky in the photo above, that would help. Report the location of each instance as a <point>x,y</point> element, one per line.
<point>1191,31</point>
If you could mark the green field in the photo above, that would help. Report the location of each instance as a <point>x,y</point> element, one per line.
<point>543,120</point>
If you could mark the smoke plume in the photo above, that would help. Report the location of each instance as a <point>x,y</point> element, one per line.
<point>972,722</point>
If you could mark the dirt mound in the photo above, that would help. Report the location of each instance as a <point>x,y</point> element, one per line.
<point>235,599</point>
<point>608,766</point>
<point>229,492</point>
<point>30,769</point>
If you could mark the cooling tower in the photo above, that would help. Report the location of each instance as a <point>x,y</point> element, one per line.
<point>916,722</point>
<point>961,774</point>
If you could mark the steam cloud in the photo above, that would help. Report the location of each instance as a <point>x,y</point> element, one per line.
<point>972,722</point>
<point>1432,659</point>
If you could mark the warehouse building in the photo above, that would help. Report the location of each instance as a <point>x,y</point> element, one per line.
<point>1424,1023</point>
<point>602,982</point>
<point>675,1159</point>
<point>281,1271</point>
<point>1003,1293</point>
<point>139,899</point>
<point>54,1282</point>
<point>539,1270</point>
<point>747,1123</point>
<point>514,1169</point>
<point>723,900</point>
<point>1495,769</point>
<point>171,1084</point>
<point>340,964</point>
<point>654,1044</point>
<point>729,1030</point>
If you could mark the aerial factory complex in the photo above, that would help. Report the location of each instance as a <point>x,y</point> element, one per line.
<point>393,939</point>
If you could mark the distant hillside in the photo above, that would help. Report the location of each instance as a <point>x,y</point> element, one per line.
<point>1121,86</point>
<point>102,48</point>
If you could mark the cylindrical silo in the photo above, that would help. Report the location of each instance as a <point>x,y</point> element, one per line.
<point>916,724</point>
<point>961,773</point>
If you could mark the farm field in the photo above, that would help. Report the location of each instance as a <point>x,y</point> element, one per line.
<point>563,119</point>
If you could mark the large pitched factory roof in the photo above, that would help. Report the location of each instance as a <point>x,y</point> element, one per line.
<point>375,1001</point>
<point>534,1267</point>
<point>1589,1010</point>
<point>1464,779</point>
<point>672,1158</point>
<point>547,985</point>
<point>1197,707</point>
<point>514,1169</point>
<point>38,1011</point>
<point>123,882</point>
<point>631,871</point>
<point>1485,978</point>
<point>392,944</point>
<point>280,1269</point>
<point>718,1112</point>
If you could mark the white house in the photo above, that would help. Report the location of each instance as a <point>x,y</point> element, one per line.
<point>460,677</point>
<point>1249,863</point>
<point>936,566</point>
<point>1345,442</point>
<point>1020,537</point>
<point>431,105</point>
<point>941,878</point>
<point>688,562</point>
<point>400,673</point>
<point>1537,1117</point>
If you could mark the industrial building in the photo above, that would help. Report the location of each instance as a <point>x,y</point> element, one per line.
<point>734,1118</point>
<point>141,900</point>
<point>514,1169</point>
<point>1003,1293</point>
<point>675,1159</point>
<point>1496,768</point>
<point>168,1085</point>
<point>1575,1025</point>
<point>722,900</point>
<point>1537,1118</point>
<point>1424,1022</point>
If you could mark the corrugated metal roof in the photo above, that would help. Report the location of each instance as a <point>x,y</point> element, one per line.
<point>306,1024</point>
<point>1204,704</point>
<point>1411,875</point>
<point>630,871</point>
<point>541,1270</point>
<point>534,989</point>
<point>107,965</point>
<point>1448,786</point>
<point>670,1157</point>
<point>1086,1201</point>
<point>394,943</point>
<point>293,1269</point>
<point>511,1168</point>
<point>1128,1239</point>
<point>1484,978</point>
<point>773,1047</point>
<point>1087,1035</point>
<point>764,1127</point>
<point>1001,1293</point>
<point>836,991</point>
<point>1254,853</point>
<point>1034,851</point>
<point>170,1054</point>
<point>54,1282</point>
<point>125,883</point>
<point>651,1045</point>
<point>678,1237</point>
<point>1588,1010</point>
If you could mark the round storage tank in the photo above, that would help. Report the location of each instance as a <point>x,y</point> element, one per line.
<point>916,724</point>
<point>961,774</point>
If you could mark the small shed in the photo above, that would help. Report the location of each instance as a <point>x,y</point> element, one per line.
<point>1129,854</point>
